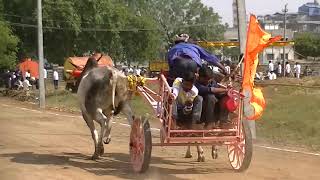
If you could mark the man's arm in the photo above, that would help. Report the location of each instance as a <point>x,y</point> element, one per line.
<point>212,59</point>
<point>215,90</point>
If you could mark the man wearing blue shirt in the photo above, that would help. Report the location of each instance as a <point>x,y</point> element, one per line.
<point>186,56</point>
<point>211,94</point>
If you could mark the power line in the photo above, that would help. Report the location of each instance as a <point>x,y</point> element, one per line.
<point>90,23</point>
<point>103,29</point>
<point>83,29</point>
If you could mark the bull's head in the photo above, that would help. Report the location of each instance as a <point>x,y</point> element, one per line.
<point>119,85</point>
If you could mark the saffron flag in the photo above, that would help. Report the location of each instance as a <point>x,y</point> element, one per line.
<point>257,40</point>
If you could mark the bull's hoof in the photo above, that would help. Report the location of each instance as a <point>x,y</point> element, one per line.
<point>107,141</point>
<point>101,151</point>
<point>95,157</point>
<point>188,155</point>
<point>201,159</point>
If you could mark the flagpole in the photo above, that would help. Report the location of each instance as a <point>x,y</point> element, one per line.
<point>242,33</point>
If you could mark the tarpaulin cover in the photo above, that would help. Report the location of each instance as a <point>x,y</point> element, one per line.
<point>28,64</point>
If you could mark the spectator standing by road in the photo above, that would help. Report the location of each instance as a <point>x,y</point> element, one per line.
<point>288,69</point>
<point>279,69</point>
<point>55,79</point>
<point>271,67</point>
<point>297,70</point>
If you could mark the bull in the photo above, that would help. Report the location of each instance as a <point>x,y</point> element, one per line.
<point>103,94</point>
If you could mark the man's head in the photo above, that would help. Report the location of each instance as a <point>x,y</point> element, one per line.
<point>188,81</point>
<point>205,75</point>
<point>297,63</point>
<point>181,38</point>
<point>270,61</point>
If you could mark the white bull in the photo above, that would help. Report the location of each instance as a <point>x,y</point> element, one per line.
<point>102,94</point>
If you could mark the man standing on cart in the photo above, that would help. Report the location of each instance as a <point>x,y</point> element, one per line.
<point>185,56</point>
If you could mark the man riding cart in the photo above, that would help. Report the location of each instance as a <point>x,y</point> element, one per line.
<point>195,97</point>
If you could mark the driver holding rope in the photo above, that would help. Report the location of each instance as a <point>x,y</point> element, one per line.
<point>187,57</point>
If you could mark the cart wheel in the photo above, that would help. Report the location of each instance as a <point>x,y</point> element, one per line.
<point>214,152</point>
<point>240,152</point>
<point>140,145</point>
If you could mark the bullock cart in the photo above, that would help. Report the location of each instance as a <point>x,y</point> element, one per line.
<point>237,139</point>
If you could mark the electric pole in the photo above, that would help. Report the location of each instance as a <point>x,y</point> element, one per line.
<point>242,34</point>
<point>40,56</point>
<point>242,24</point>
<point>285,10</point>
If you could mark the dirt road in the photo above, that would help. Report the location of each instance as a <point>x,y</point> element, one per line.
<point>45,145</point>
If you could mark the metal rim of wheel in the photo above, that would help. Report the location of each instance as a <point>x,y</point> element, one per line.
<point>140,145</point>
<point>240,152</point>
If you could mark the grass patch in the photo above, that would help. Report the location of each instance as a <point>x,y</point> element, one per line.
<point>292,116</point>
<point>62,100</point>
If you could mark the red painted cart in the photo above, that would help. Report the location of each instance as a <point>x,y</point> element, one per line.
<point>237,139</point>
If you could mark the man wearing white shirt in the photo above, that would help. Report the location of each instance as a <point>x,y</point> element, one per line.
<point>26,84</point>
<point>271,67</point>
<point>288,69</point>
<point>297,70</point>
<point>279,69</point>
<point>55,78</point>
<point>45,75</point>
<point>28,75</point>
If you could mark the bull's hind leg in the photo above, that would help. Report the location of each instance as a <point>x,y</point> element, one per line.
<point>107,134</point>
<point>188,153</point>
<point>102,120</point>
<point>94,134</point>
<point>201,157</point>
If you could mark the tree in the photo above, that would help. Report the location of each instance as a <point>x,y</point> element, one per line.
<point>308,44</point>
<point>187,16</point>
<point>22,12</point>
<point>127,30</point>
<point>8,47</point>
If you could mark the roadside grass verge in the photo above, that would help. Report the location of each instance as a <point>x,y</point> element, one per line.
<point>292,116</point>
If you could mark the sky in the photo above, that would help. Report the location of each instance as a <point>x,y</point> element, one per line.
<point>257,7</point>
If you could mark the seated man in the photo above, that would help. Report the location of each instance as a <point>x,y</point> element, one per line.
<point>211,93</point>
<point>187,105</point>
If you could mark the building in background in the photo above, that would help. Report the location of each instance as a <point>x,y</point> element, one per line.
<point>306,19</point>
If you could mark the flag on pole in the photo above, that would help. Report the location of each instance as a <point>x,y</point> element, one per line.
<point>257,40</point>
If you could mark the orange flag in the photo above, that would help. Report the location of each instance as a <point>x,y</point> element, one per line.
<point>257,40</point>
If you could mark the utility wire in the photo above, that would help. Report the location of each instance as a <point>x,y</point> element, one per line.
<point>83,29</point>
<point>86,22</point>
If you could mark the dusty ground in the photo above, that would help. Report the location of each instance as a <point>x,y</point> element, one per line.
<point>43,145</point>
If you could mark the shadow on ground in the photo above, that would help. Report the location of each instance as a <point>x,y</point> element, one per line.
<point>115,164</point>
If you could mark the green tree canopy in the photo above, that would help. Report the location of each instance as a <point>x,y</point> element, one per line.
<point>8,47</point>
<point>128,30</point>
<point>308,44</point>
<point>186,16</point>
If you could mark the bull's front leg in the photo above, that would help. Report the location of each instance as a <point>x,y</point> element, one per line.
<point>127,111</point>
